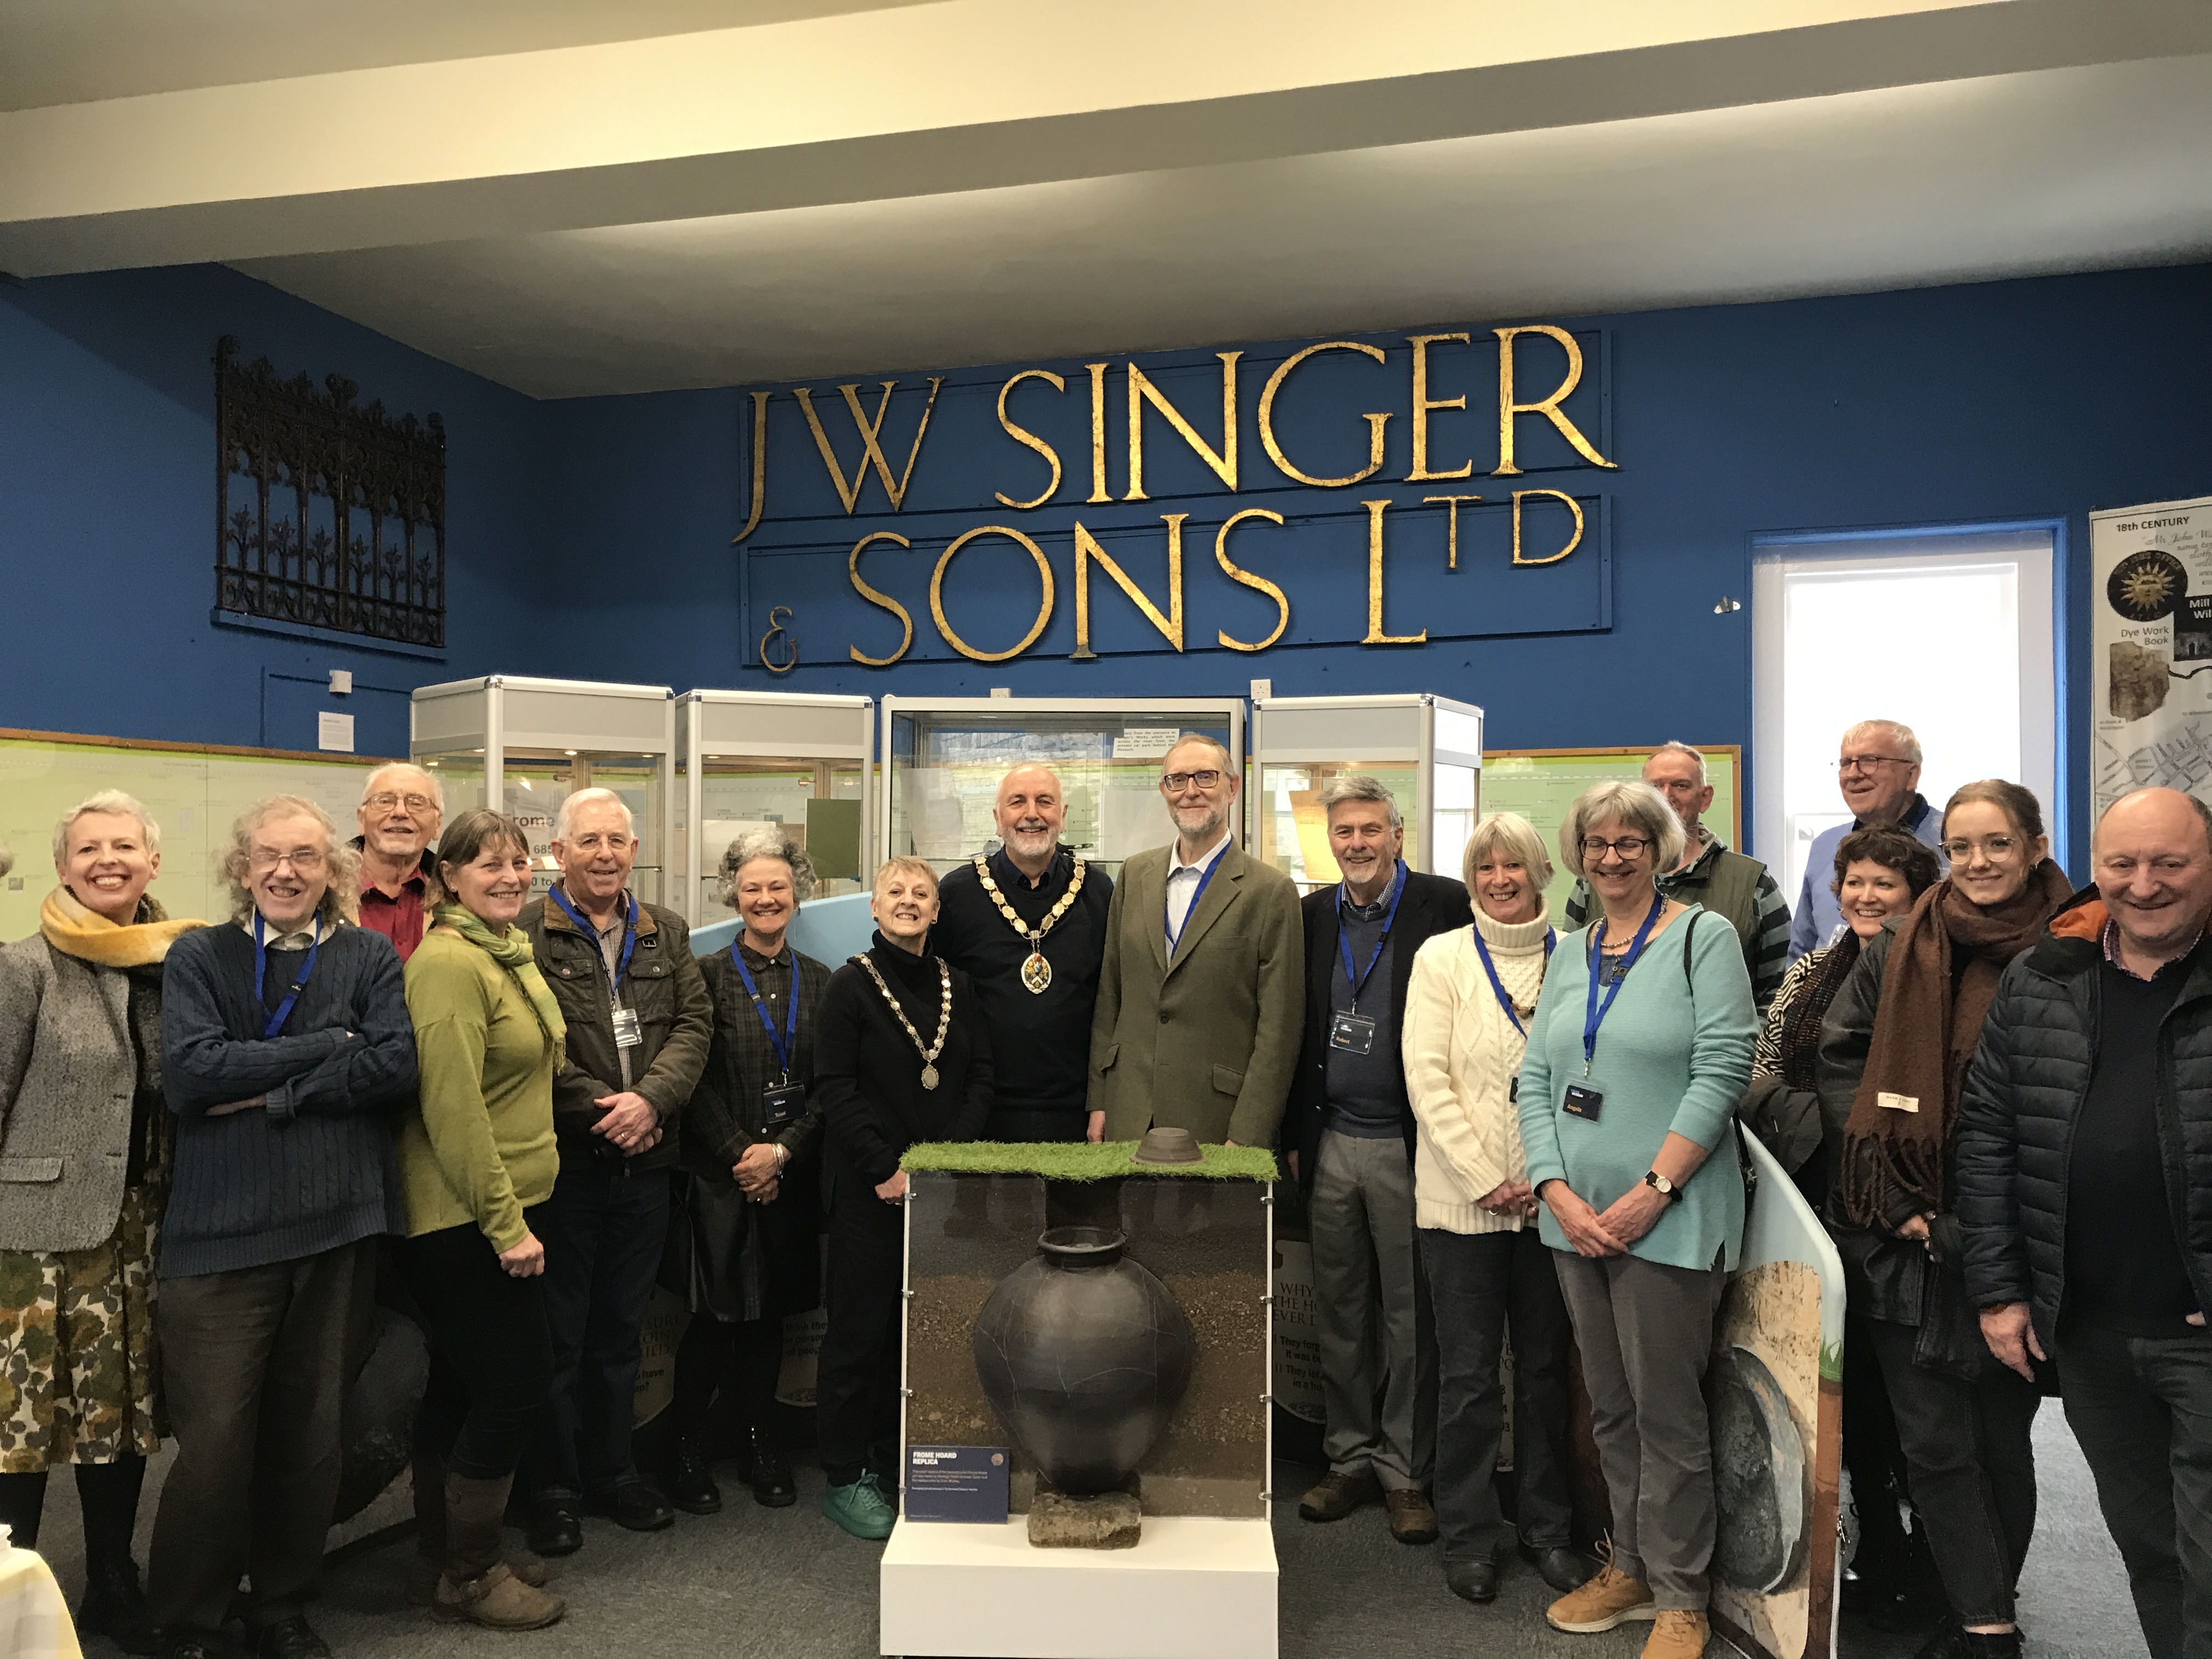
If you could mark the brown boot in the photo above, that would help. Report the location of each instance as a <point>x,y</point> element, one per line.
<point>1336,1495</point>
<point>1612,1598</point>
<point>1677,1634</point>
<point>476,1585</point>
<point>425,1566</point>
<point>1412,1519</point>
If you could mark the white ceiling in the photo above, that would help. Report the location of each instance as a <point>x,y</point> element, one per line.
<point>572,202</point>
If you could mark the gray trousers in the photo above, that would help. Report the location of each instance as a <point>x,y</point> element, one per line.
<point>1646,1330</point>
<point>1378,1351</point>
<point>253,1364</point>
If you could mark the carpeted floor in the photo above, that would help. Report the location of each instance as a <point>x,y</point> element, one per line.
<point>755,1583</point>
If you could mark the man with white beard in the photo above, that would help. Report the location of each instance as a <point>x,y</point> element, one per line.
<point>1027,923</point>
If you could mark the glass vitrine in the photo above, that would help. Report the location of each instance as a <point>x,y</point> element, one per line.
<point>525,745</point>
<point>1428,750</point>
<point>942,759</point>
<point>748,759</point>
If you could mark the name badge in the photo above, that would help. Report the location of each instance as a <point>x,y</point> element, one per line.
<point>1897,1103</point>
<point>1583,1103</point>
<point>782,1102</point>
<point>627,1035</point>
<point>1353,1033</point>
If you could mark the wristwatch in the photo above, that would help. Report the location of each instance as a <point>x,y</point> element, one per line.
<point>1660,1184</point>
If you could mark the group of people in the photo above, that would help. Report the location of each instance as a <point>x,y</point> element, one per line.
<point>394,1074</point>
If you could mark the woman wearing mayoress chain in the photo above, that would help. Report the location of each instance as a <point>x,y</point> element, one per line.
<point>903,1055</point>
<point>1639,1048</point>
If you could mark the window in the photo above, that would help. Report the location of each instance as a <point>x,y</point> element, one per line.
<point>1949,633</point>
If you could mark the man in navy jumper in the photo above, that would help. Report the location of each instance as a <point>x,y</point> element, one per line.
<point>286,1048</point>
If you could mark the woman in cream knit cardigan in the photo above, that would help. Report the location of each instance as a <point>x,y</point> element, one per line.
<point>1466,1009</point>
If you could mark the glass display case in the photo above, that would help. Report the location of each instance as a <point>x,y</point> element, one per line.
<point>525,745</point>
<point>1428,750</point>
<point>748,759</point>
<point>942,759</point>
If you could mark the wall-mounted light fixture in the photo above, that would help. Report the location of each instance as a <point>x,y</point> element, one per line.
<point>1726,605</point>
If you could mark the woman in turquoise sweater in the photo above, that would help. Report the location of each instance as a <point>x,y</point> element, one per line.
<point>1640,1045</point>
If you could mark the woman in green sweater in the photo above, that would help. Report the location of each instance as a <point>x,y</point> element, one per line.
<point>475,1160</point>
<point>1639,1048</point>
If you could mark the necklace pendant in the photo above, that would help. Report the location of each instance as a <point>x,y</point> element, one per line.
<point>1037,973</point>
<point>929,1077</point>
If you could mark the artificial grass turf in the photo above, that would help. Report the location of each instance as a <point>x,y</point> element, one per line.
<point>1080,1160</point>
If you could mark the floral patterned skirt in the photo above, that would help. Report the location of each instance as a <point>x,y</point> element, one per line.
<point>76,1349</point>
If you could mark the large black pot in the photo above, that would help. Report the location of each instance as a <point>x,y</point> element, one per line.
<point>1085,1355</point>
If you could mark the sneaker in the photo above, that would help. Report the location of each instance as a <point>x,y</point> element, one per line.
<point>1677,1633</point>
<point>859,1509</point>
<point>1335,1496</point>
<point>1610,1599</point>
<point>1412,1520</point>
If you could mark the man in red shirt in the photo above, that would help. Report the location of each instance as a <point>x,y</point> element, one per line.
<point>402,809</point>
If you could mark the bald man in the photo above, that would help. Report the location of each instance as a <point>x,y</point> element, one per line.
<point>2085,1192</point>
<point>1027,924</point>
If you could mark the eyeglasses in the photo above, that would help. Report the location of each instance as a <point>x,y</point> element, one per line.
<point>1867,762</point>
<point>1630,848</point>
<point>1176,782</point>
<point>306,861</point>
<point>385,801</point>
<point>1995,849</point>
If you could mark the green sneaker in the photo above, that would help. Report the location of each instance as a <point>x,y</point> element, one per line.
<point>860,1509</point>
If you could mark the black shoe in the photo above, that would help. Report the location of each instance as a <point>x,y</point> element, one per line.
<point>114,1607</point>
<point>769,1473</point>
<point>554,1527</point>
<point>1982,1644</point>
<point>633,1504</point>
<point>693,1489</point>
<point>1947,1643</point>
<point>1473,1580</point>
<point>194,1644</point>
<point>1563,1568</point>
<point>290,1638</point>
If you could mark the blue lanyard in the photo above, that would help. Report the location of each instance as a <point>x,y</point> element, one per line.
<point>276,1021</point>
<point>1174,933</point>
<point>1498,986</point>
<point>789,1040</point>
<point>1358,981</point>
<point>584,927</point>
<point>1593,1012</point>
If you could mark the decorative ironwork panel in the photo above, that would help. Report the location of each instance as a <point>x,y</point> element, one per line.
<point>326,513</point>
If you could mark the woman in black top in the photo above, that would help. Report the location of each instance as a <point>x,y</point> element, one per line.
<point>746,1246</point>
<point>903,1055</point>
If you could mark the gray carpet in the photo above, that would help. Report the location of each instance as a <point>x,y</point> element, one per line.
<point>755,1583</point>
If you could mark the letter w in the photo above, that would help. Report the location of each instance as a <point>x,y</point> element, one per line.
<point>871,436</point>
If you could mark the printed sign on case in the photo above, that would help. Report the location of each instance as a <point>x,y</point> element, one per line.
<point>2151,570</point>
<point>956,1482</point>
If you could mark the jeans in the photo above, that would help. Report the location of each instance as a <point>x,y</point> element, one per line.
<point>1378,1350</point>
<point>2142,1408</point>
<point>1481,1283</point>
<point>603,1229</point>
<point>491,1359</point>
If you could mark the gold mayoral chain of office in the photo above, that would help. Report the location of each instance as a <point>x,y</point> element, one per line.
<point>1036,972</point>
<point>944,1016</point>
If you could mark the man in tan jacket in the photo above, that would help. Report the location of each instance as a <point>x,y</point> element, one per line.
<point>1202,989</point>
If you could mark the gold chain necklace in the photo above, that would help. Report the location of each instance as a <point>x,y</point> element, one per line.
<point>944,1016</point>
<point>1036,972</point>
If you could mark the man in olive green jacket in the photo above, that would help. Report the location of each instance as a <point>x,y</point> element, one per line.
<point>1203,987</point>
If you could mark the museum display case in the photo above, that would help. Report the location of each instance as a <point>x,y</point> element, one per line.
<point>942,759</point>
<point>747,759</point>
<point>525,745</point>
<point>1427,749</point>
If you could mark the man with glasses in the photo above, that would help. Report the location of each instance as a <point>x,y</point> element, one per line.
<point>1879,776</point>
<point>1740,890</point>
<point>286,1051</point>
<point>1204,978</point>
<point>402,809</point>
<point>640,1020</point>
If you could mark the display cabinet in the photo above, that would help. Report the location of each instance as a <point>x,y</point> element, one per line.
<point>748,759</point>
<point>942,759</point>
<point>525,745</point>
<point>1428,750</point>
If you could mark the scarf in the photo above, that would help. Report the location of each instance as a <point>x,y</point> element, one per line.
<point>1801,1028</point>
<point>75,931</point>
<point>1925,1034</point>
<point>511,950</point>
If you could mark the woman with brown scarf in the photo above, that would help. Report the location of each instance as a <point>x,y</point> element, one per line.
<point>1893,1058</point>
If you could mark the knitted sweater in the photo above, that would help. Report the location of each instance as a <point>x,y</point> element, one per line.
<point>1461,1054</point>
<point>312,1169</point>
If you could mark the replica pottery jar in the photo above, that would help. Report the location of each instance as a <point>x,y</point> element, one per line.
<point>1085,1356</point>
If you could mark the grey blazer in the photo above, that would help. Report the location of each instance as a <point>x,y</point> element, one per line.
<point>67,1075</point>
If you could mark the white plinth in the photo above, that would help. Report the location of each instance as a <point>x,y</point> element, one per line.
<point>1193,1589</point>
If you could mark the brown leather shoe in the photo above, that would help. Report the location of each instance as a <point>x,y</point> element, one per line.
<point>1412,1519</point>
<point>1612,1598</point>
<point>1336,1495</point>
<point>1676,1634</point>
